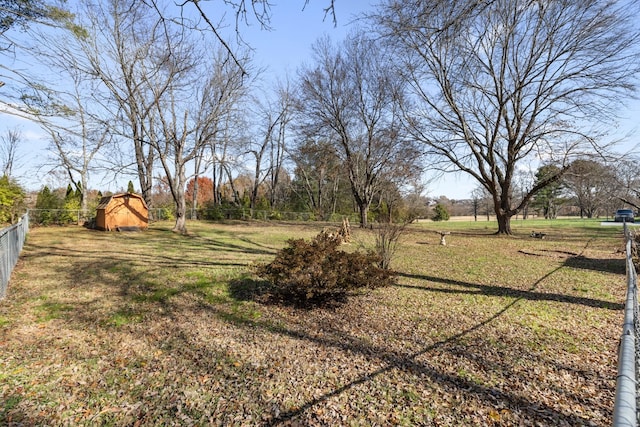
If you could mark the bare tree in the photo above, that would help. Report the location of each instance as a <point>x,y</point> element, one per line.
<point>9,143</point>
<point>593,184</point>
<point>267,145</point>
<point>203,89</point>
<point>72,115</point>
<point>627,176</point>
<point>278,145</point>
<point>497,83</point>
<point>350,96</point>
<point>243,11</point>
<point>318,176</point>
<point>123,49</point>
<point>225,155</point>
<point>258,149</point>
<point>482,200</point>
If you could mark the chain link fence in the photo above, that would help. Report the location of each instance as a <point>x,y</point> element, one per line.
<point>625,410</point>
<point>11,241</point>
<point>47,217</point>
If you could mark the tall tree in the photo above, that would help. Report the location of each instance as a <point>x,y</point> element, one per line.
<point>267,145</point>
<point>278,145</point>
<point>499,82</point>
<point>203,89</point>
<point>593,184</point>
<point>123,49</point>
<point>548,197</point>
<point>9,143</point>
<point>627,175</point>
<point>350,96</point>
<point>72,115</point>
<point>319,177</point>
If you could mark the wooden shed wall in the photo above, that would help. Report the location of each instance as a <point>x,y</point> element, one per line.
<point>122,211</point>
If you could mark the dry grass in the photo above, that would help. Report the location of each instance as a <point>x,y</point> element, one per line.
<point>155,328</point>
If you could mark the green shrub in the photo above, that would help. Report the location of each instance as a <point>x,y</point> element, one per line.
<point>11,200</point>
<point>317,272</point>
<point>47,205</point>
<point>211,213</point>
<point>440,213</point>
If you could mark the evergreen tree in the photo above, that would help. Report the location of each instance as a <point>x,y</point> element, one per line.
<point>440,213</point>
<point>548,198</point>
<point>47,203</point>
<point>71,205</point>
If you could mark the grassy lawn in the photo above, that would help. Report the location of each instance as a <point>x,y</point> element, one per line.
<point>155,328</point>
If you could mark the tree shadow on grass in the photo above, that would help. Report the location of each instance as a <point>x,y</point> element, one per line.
<point>247,289</point>
<point>502,291</point>
<point>391,360</point>
<point>541,412</point>
<point>609,265</point>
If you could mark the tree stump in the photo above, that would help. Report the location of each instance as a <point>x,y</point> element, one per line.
<point>342,234</point>
<point>345,231</point>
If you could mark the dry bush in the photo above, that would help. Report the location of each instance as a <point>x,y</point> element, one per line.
<point>387,239</point>
<point>317,272</point>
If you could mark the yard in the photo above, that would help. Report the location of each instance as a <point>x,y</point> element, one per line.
<point>155,328</point>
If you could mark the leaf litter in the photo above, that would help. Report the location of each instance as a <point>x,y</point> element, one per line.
<point>463,339</point>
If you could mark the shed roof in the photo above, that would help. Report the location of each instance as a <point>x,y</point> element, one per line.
<point>104,202</point>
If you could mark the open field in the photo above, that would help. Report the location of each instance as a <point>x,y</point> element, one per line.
<point>155,328</point>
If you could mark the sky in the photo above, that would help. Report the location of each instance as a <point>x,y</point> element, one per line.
<point>280,51</point>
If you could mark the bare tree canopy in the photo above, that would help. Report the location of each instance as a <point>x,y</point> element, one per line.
<point>351,97</point>
<point>498,82</point>
<point>243,11</point>
<point>593,185</point>
<point>9,143</point>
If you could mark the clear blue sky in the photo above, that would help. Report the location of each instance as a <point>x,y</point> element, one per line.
<point>294,30</point>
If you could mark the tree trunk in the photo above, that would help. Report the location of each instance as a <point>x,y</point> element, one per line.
<point>181,205</point>
<point>194,200</point>
<point>504,223</point>
<point>181,220</point>
<point>364,212</point>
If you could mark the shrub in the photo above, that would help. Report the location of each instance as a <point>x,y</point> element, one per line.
<point>47,206</point>
<point>440,213</point>
<point>317,272</point>
<point>275,216</point>
<point>11,200</point>
<point>387,239</point>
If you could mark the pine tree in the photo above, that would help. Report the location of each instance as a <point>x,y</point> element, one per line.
<point>440,213</point>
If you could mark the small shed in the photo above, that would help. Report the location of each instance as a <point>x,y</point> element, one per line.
<point>124,211</point>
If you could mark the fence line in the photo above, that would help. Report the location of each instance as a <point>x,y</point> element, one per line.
<point>45,217</point>
<point>11,241</point>
<point>625,411</point>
